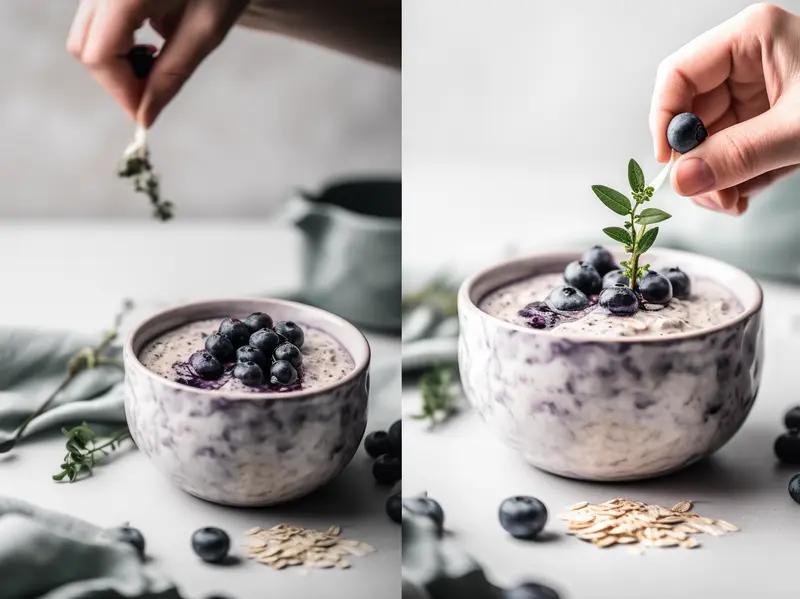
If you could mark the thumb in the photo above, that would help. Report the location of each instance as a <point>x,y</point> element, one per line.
<point>739,153</point>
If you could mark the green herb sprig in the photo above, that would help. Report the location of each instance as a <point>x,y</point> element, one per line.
<point>83,450</point>
<point>438,397</point>
<point>634,234</point>
<point>136,165</point>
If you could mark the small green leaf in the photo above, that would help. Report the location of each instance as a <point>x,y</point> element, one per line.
<point>635,175</point>
<point>60,476</point>
<point>613,199</point>
<point>647,240</point>
<point>618,234</point>
<point>651,216</point>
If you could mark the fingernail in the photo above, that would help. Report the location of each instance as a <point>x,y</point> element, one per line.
<point>693,176</point>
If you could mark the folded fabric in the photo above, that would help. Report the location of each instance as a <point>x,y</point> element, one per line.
<point>49,555</point>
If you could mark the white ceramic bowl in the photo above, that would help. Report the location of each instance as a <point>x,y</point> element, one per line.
<point>247,449</point>
<point>611,409</point>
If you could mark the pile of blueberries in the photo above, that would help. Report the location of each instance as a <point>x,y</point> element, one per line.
<point>596,279</point>
<point>386,448</point>
<point>787,448</point>
<point>522,516</point>
<point>260,352</point>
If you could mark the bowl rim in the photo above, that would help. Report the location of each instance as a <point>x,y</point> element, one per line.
<point>465,302</point>
<point>130,357</point>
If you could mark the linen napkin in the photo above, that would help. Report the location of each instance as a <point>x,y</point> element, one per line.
<point>49,555</point>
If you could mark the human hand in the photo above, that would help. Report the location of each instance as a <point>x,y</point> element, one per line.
<point>102,33</point>
<point>742,79</point>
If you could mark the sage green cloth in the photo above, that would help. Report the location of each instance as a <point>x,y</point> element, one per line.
<point>49,555</point>
<point>33,363</point>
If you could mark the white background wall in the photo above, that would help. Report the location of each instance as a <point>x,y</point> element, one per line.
<point>513,108</point>
<point>263,115</point>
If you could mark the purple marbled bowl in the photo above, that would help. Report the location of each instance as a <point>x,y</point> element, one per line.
<point>611,409</point>
<point>247,449</point>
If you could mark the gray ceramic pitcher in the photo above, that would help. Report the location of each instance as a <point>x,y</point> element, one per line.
<point>352,249</point>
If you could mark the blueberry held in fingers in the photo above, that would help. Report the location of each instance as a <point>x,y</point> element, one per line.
<point>249,373</point>
<point>248,353</point>
<point>291,332</point>
<point>220,347</point>
<point>257,321</point>
<point>282,373</point>
<point>235,330</point>
<point>655,288</point>
<point>584,277</point>
<point>376,443</point>
<point>211,544</point>
<point>681,284</point>
<point>685,132</point>
<point>619,300</point>
<point>602,260</point>
<point>787,447</point>
<point>566,299</point>
<point>523,517</point>
<point>266,340</point>
<point>615,277</point>
<point>141,58</point>
<point>387,469</point>
<point>205,365</point>
<point>290,353</point>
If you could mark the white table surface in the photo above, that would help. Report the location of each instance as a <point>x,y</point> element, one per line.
<point>74,275</point>
<point>469,471</point>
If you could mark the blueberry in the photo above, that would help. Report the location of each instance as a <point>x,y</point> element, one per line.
<point>794,487</point>
<point>248,353</point>
<point>387,469</point>
<point>681,284</point>
<point>235,330</point>
<point>615,277</point>
<point>377,443</point>
<point>266,340</point>
<point>566,299</point>
<point>685,132</point>
<point>211,544</point>
<point>291,332</point>
<point>791,420</point>
<point>220,347</point>
<point>396,438</point>
<point>787,447</point>
<point>620,300</point>
<point>132,536</point>
<point>282,373</point>
<point>584,277</point>
<point>205,365</point>
<point>289,353</point>
<point>141,58</point>
<point>257,321</point>
<point>602,260</point>
<point>655,288</point>
<point>531,590</point>
<point>249,373</point>
<point>523,517</point>
<point>425,506</point>
<point>394,507</point>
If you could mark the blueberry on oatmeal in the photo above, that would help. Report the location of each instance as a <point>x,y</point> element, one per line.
<point>220,347</point>
<point>615,277</point>
<point>266,340</point>
<point>289,353</point>
<point>584,277</point>
<point>681,284</point>
<point>248,353</point>
<point>205,365</point>
<point>619,300</point>
<point>257,321</point>
<point>655,288</point>
<point>291,332</point>
<point>235,330</point>
<point>282,373</point>
<point>566,299</point>
<point>249,373</point>
<point>602,260</point>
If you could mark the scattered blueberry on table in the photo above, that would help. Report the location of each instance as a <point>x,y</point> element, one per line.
<point>685,132</point>
<point>376,443</point>
<point>394,507</point>
<point>132,536</point>
<point>794,488</point>
<point>791,419</point>
<point>211,544</point>
<point>531,590</point>
<point>787,447</point>
<point>395,437</point>
<point>387,469</point>
<point>523,517</point>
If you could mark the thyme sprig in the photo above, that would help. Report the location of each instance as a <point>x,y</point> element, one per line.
<point>136,165</point>
<point>84,449</point>
<point>438,396</point>
<point>634,234</point>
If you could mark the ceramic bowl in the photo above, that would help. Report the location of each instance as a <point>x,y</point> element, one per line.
<point>246,449</point>
<point>611,409</point>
